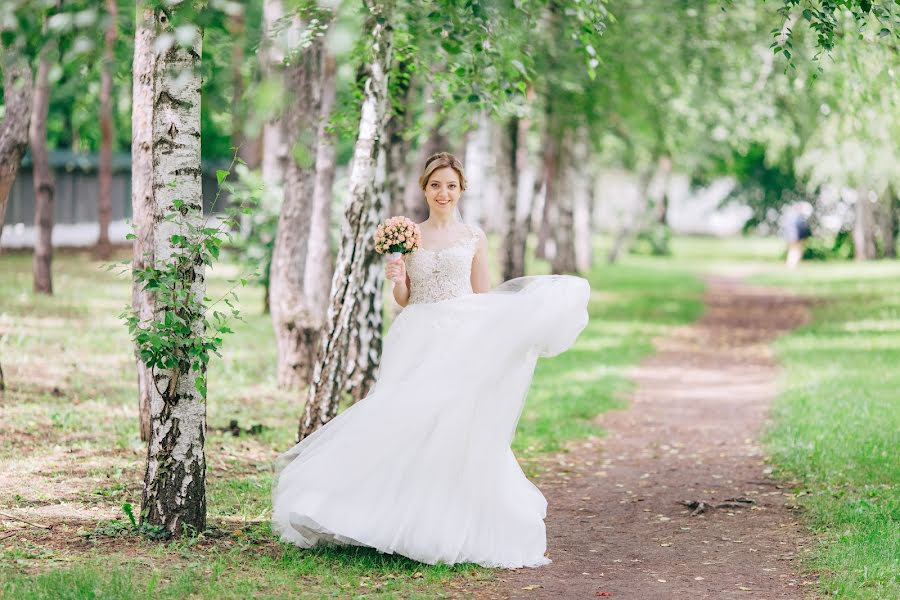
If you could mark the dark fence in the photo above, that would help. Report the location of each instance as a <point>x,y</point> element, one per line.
<point>78,186</point>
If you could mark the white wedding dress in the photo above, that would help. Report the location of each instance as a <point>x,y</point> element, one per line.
<point>422,466</point>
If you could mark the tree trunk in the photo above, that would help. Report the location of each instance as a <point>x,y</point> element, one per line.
<point>319,259</point>
<point>398,143</point>
<point>166,165</point>
<point>142,192</point>
<point>580,191</point>
<point>864,227</point>
<point>356,254</point>
<point>293,315</point>
<point>550,170</point>
<point>434,141</point>
<point>103,249</point>
<point>43,179</point>
<point>887,224</point>
<point>273,149</point>
<point>18,93</point>
<point>480,161</point>
<point>632,222</point>
<point>563,228</point>
<point>512,164</point>
<point>274,146</point>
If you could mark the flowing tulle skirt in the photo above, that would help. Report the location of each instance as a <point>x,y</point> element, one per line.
<point>422,466</point>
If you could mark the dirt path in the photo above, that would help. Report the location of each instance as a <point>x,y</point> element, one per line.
<point>615,525</point>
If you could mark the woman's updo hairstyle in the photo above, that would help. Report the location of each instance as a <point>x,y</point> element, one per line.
<point>442,160</point>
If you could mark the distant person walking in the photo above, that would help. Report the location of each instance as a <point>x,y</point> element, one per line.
<point>796,231</point>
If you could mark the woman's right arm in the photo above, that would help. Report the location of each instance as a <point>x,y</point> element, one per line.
<point>396,272</point>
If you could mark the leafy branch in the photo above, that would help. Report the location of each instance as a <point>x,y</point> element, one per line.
<point>182,333</point>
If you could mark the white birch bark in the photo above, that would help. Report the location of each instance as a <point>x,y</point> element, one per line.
<point>356,253</point>
<point>174,495</point>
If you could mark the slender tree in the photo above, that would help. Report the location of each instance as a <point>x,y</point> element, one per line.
<point>44,186</point>
<point>319,267</point>
<point>294,316</point>
<point>104,199</point>
<point>356,255</point>
<point>167,181</point>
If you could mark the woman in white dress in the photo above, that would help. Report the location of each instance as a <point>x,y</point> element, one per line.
<point>422,466</point>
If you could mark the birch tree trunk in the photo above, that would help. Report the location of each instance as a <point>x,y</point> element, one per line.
<point>293,315</point>
<point>479,162</point>
<point>550,169</point>
<point>274,151</point>
<point>366,341</point>
<point>103,249</point>
<point>864,227</point>
<point>166,164</point>
<point>563,228</point>
<point>887,224</point>
<point>274,146</point>
<point>633,221</point>
<point>142,192</point>
<point>43,178</point>
<point>18,94</point>
<point>510,163</point>
<point>581,192</point>
<point>319,258</point>
<point>356,254</point>
<point>398,145</point>
<point>434,141</point>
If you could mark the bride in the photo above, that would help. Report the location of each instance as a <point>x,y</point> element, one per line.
<point>422,466</point>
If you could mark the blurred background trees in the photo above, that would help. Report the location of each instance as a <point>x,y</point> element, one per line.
<point>575,119</point>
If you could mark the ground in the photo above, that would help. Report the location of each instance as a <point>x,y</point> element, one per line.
<point>624,516</point>
<point>664,399</point>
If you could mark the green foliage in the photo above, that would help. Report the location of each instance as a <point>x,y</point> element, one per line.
<point>117,528</point>
<point>765,187</point>
<point>841,248</point>
<point>185,327</point>
<point>653,240</point>
<point>825,18</point>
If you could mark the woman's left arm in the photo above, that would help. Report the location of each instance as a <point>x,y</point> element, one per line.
<point>481,275</point>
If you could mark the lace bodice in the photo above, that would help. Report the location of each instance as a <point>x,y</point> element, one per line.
<point>436,275</point>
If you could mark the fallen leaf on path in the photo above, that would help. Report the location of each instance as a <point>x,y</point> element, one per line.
<point>746,589</point>
<point>604,594</point>
<point>531,587</point>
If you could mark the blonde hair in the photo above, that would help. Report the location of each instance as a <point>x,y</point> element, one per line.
<point>442,160</point>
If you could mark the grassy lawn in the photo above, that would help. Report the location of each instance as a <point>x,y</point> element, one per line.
<point>70,453</point>
<point>837,422</point>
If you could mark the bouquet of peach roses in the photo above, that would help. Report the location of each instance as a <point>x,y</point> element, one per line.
<point>396,236</point>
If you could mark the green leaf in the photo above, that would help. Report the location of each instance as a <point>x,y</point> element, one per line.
<point>221,174</point>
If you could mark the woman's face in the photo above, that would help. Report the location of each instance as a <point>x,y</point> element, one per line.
<point>443,191</point>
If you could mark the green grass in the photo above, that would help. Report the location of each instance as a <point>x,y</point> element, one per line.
<point>72,401</point>
<point>837,423</point>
